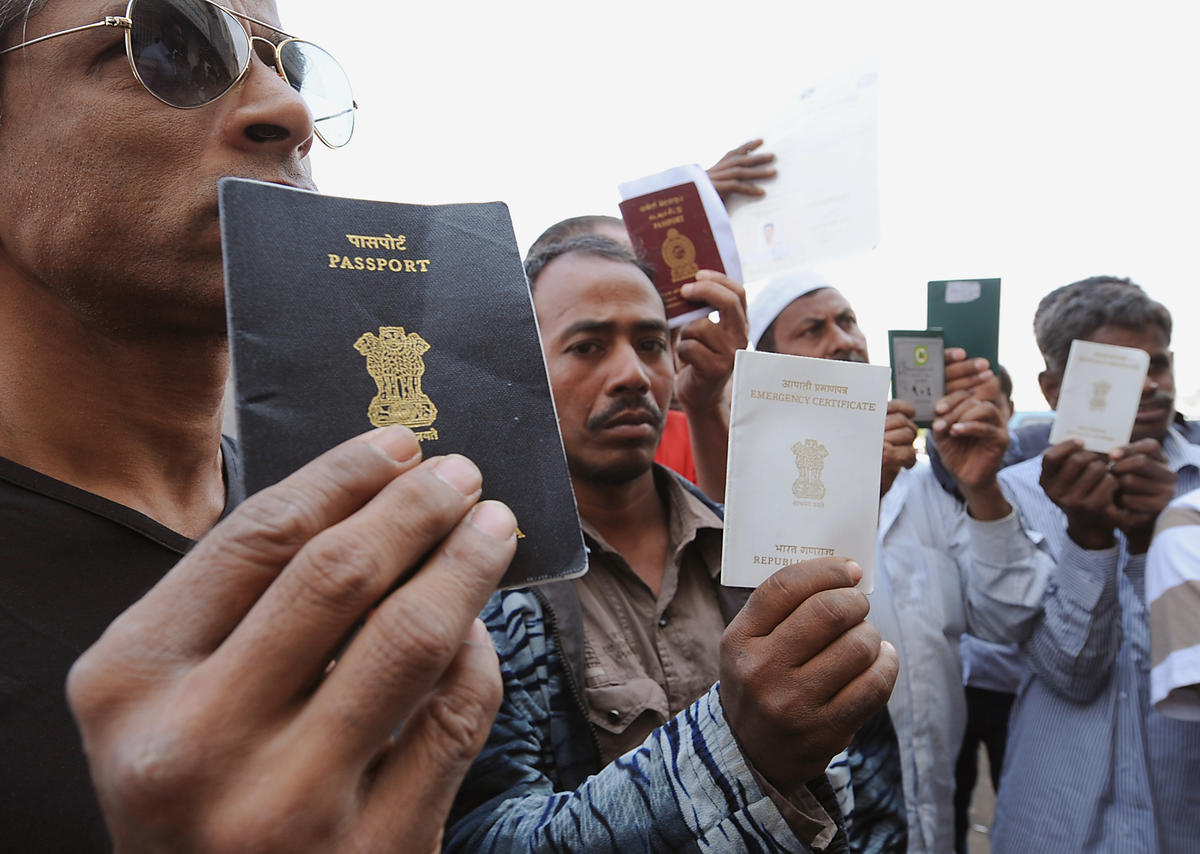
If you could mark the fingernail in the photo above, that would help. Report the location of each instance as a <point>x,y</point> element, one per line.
<point>397,442</point>
<point>477,635</point>
<point>493,519</point>
<point>856,571</point>
<point>460,473</point>
<point>981,365</point>
<point>939,426</point>
<point>886,645</point>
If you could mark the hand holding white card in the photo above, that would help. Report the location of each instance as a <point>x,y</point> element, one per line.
<point>805,448</point>
<point>1098,400</point>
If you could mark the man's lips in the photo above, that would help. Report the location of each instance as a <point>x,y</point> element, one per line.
<point>1152,413</point>
<point>630,418</point>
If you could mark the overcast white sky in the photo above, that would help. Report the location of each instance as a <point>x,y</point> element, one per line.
<point>1040,142</point>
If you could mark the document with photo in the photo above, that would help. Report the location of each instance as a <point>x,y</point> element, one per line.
<point>1101,389</point>
<point>805,443</point>
<point>824,201</point>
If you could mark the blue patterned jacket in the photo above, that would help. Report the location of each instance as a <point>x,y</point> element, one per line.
<point>537,785</point>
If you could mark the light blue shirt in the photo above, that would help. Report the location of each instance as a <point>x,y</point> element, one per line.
<point>1090,766</point>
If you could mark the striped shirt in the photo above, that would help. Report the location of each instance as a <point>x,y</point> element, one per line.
<point>1173,596</point>
<point>1090,765</point>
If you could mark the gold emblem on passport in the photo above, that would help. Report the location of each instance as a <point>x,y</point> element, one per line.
<point>810,463</point>
<point>680,254</point>
<point>394,361</point>
<point>1099,401</point>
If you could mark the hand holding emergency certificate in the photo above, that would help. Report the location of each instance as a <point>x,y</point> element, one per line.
<point>805,448</point>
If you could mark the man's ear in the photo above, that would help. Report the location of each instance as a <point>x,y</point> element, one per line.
<point>1051,384</point>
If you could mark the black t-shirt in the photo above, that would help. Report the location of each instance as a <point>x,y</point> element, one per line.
<point>70,563</point>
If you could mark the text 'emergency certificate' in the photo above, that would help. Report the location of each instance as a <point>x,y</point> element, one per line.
<point>1101,389</point>
<point>805,449</point>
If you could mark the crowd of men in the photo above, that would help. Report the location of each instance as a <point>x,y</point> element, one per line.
<point>184,670</point>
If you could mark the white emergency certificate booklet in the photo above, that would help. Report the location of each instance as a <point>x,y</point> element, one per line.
<point>805,449</point>
<point>1101,389</point>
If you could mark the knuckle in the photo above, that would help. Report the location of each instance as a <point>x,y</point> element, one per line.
<point>461,719</point>
<point>412,639</point>
<point>341,572</point>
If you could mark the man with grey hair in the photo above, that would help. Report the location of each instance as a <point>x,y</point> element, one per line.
<point>1090,765</point>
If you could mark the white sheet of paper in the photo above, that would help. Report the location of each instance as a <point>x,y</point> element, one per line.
<point>714,209</point>
<point>824,201</point>
<point>805,447</point>
<point>1101,388</point>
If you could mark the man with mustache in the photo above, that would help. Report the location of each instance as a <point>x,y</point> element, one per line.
<point>612,734</point>
<point>1090,765</point>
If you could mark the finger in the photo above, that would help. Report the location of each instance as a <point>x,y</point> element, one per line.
<point>1145,447</point>
<point>982,384</point>
<point>979,430</point>
<point>831,668</point>
<point>816,623</point>
<point>778,596</point>
<point>1143,469</point>
<point>199,602</point>
<point>426,765</point>
<point>950,401</point>
<point>965,368</point>
<point>903,407</point>
<point>289,636</point>
<point>954,354</point>
<point>1084,480</point>
<point>1054,457</point>
<point>410,639</point>
<point>866,693</point>
<point>718,290</point>
<point>962,406</point>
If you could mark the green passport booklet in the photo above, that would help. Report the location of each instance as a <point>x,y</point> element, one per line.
<point>968,312</point>
<point>345,315</point>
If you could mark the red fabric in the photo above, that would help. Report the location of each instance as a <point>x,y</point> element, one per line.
<point>675,449</point>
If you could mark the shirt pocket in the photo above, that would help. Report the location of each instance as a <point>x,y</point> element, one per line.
<point>612,708</point>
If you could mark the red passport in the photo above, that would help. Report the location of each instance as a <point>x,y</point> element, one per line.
<point>670,229</point>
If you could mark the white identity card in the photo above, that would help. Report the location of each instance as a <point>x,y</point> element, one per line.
<point>824,201</point>
<point>1101,389</point>
<point>805,449</point>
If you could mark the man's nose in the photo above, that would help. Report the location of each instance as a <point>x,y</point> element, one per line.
<point>268,113</point>
<point>627,370</point>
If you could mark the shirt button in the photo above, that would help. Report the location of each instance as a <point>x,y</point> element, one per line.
<point>662,621</point>
<point>614,715</point>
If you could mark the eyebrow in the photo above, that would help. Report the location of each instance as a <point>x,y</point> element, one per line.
<point>607,325</point>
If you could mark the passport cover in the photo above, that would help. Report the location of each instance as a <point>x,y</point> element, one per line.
<point>805,446</point>
<point>968,312</point>
<point>345,315</point>
<point>672,227</point>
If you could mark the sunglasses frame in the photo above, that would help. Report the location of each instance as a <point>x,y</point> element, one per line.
<point>125,22</point>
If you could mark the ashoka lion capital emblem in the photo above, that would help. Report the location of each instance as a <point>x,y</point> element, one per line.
<point>394,361</point>
<point>810,462</point>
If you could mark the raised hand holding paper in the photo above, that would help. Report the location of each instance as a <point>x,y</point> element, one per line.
<point>1098,400</point>
<point>805,447</point>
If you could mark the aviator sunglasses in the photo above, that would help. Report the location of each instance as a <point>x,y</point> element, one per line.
<point>188,53</point>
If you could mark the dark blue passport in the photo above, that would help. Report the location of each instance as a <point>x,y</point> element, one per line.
<point>345,315</point>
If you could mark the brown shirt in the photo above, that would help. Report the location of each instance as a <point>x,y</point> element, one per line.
<point>647,658</point>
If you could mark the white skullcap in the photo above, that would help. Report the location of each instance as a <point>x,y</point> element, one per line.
<point>778,294</point>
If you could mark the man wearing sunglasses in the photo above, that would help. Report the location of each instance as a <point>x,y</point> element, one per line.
<point>210,711</point>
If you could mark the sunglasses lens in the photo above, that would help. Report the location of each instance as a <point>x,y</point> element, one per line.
<point>323,85</point>
<point>186,53</point>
